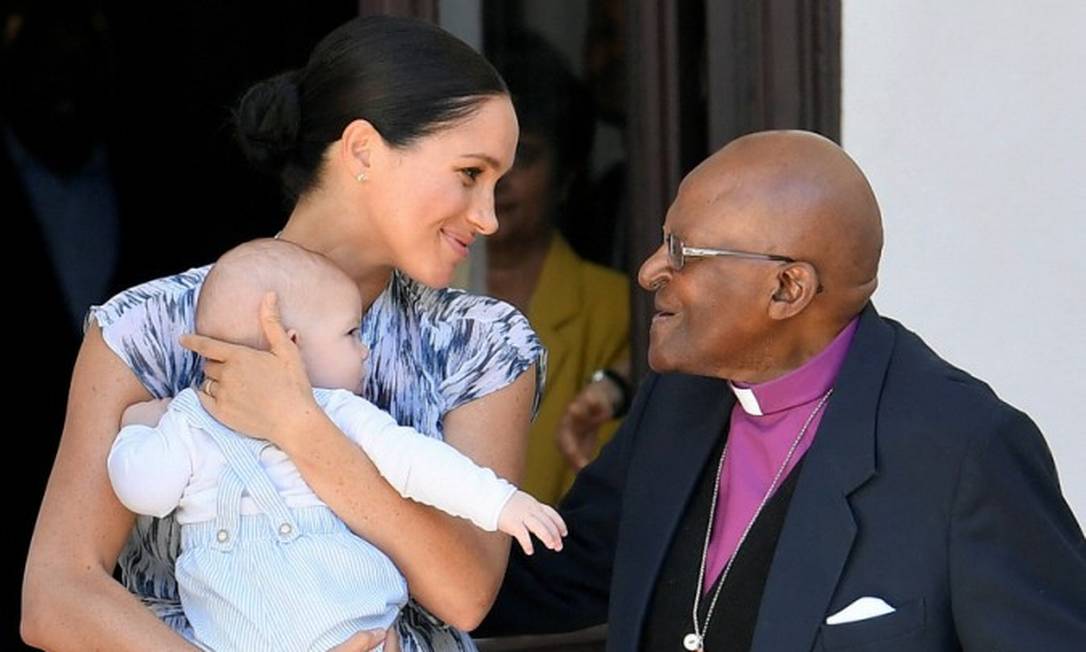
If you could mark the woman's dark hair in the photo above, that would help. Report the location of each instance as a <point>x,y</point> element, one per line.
<point>406,77</point>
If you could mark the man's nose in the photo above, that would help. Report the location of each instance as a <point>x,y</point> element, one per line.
<point>655,271</point>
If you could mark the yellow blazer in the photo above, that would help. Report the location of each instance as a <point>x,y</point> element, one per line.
<point>581,312</point>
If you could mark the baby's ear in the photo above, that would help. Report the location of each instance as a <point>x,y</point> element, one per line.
<point>292,335</point>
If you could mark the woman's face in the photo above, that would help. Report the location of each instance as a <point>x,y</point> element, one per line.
<point>431,199</point>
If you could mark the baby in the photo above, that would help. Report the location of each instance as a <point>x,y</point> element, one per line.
<point>264,563</point>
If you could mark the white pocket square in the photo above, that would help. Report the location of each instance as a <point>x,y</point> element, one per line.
<point>862,609</point>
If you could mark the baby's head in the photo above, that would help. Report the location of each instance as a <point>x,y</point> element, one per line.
<point>319,305</point>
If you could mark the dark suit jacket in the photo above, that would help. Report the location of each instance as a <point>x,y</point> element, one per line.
<point>921,488</point>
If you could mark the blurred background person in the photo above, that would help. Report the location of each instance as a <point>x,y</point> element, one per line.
<point>579,309</point>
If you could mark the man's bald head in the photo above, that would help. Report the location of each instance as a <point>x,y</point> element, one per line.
<point>787,194</point>
<point>805,198</point>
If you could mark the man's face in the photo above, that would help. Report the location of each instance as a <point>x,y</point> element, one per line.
<point>711,316</point>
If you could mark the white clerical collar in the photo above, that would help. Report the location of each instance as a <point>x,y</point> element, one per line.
<point>747,399</point>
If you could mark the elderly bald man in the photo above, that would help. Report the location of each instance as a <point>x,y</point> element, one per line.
<point>799,472</point>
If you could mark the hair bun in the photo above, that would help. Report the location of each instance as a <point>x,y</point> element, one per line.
<point>268,119</point>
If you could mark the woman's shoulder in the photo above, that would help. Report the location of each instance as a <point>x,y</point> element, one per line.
<point>170,294</point>
<point>143,324</point>
<point>476,343</point>
<point>446,308</point>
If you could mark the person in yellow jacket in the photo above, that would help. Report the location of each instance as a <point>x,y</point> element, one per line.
<point>579,309</point>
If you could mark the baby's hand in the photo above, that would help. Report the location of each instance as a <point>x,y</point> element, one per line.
<point>523,515</point>
<point>147,413</point>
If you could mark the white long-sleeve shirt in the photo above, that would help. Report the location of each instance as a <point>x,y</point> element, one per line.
<point>176,465</point>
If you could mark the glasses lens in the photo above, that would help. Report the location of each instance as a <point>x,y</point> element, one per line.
<point>674,252</point>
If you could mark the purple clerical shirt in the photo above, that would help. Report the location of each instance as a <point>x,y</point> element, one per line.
<point>764,423</point>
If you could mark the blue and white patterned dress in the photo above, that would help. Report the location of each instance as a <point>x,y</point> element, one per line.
<point>431,351</point>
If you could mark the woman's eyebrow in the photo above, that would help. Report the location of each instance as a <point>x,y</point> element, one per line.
<point>490,160</point>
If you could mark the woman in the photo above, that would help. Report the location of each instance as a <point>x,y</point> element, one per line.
<point>391,140</point>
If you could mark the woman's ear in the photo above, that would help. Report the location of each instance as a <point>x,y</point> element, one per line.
<point>357,149</point>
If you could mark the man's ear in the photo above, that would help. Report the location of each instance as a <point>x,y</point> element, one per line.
<point>797,285</point>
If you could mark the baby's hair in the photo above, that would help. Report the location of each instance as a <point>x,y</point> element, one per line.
<point>229,300</point>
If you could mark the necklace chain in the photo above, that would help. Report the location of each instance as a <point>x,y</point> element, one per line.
<point>696,640</point>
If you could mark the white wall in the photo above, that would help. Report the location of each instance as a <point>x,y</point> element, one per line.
<point>969,117</point>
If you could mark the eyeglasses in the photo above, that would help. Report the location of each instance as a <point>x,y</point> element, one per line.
<point>678,252</point>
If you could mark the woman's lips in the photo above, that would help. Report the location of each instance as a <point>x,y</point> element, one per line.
<point>459,245</point>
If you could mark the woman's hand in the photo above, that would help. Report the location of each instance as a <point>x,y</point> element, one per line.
<point>265,394</point>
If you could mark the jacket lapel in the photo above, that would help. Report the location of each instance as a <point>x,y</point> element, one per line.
<point>693,411</point>
<point>819,529</point>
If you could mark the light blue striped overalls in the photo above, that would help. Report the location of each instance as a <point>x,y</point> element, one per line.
<point>285,579</point>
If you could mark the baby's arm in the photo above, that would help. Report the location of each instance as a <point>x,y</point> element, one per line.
<point>433,473</point>
<point>149,467</point>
